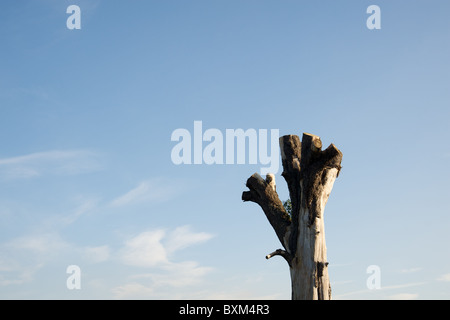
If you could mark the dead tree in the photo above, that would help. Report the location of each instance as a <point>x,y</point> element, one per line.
<point>310,174</point>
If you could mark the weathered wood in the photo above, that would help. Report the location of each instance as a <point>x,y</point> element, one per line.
<point>263,193</point>
<point>310,174</point>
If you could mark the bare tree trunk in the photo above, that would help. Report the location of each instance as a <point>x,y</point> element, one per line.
<point>310,174</point>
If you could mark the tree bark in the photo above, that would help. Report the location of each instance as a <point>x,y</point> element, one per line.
<point>310,174</point>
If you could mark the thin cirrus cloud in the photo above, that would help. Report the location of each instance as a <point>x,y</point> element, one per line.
<point>96,254</point>
<point>55,162</point>
<point>410,270</point>
<point>444,277</point>
<point>23,256</point>
<point>39,245</point>
<point>404,296</point>
<point>383,289</point>
<point>183,237</point>
<point>146,191</point>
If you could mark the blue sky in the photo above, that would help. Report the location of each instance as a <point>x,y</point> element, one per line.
<point>86,118</point>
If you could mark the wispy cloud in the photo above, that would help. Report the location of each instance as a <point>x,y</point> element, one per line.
<point>54,162</point>
<point>410,270</point>
<point>39,244</point>
<point>145,250</point>
<point>404,296</point>
<point>154,250</point>
<point>87,205</point>
<point>183,237</point>
<point>132,290</point>
<point>147,261</point>
<point>97,254</point>
<point>405,285</point>
<point>23,256</point>
<point>146,191</point>
<point>444,277</point>
<point>20,276</point>
<point>178,274</point>
<point>382,289</point>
